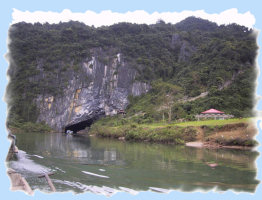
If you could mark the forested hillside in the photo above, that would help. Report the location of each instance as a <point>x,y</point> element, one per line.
<point>178,61</point>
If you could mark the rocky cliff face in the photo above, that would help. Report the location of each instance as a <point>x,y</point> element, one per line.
<point>96,89</point>
<point>185,49</point>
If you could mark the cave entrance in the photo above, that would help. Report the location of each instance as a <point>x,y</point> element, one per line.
<point>74,128</point>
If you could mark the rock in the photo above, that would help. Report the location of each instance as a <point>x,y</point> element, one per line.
<point>184,49</point>
<point>122,138</point>
<point>212,165</point>
<point>195,144</point>
<point>96,89</point>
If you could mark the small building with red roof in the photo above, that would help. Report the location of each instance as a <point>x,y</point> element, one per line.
<point>213,114</point>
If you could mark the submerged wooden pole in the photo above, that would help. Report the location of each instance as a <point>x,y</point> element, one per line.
<point>49,181</point>
<point>18,182</point>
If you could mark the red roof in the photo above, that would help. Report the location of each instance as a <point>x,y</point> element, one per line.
<point>213,111</point>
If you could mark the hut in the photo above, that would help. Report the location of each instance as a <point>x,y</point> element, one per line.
<point>213,114</point>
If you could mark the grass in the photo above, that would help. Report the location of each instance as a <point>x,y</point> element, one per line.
<point>213,122</point>
<point>227,132</point>
<point>30,127</point>
<point>144,132</point>
<point>195,123</point>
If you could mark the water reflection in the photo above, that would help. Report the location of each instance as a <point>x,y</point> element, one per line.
<point>83,162</point>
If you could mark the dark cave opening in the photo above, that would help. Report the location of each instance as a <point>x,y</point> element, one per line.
<point>79,126</point>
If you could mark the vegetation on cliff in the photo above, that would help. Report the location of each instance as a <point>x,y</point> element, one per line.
<point>178,60</point>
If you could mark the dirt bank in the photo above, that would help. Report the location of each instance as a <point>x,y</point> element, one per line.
<point>238,136</point>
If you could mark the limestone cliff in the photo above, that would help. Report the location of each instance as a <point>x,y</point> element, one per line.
<point>96,89</point>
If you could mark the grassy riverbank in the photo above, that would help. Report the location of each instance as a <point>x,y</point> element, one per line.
<point>231,132</point>
<point>31,127</point>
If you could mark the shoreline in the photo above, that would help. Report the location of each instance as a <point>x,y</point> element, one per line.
<point>199,144</point>
<point>237,135</point>
<point>233,134</point>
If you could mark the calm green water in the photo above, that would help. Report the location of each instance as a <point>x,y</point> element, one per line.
<point>106,166</point>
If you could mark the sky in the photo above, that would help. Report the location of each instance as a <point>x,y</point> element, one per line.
<point>108,17</point>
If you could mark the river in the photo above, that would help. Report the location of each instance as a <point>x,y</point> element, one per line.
<point>105,166</point>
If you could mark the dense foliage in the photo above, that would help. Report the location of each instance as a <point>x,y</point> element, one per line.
<point>179,61</point>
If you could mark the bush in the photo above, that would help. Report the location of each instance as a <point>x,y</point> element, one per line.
<point>32,127</point>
